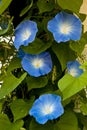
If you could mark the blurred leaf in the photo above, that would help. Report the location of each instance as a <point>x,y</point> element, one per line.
<point>69,85</point>
<point>1,104</point>
<point>73,5</point>
<point>83,108</point>
<point>20,108</point>
<point>36,47</point>
<point>67,122</point>
<point>17,125</point>
<point>10,83</point>
<point>63,53</point>
<point>35,126</point>
<point>26,9</point>
<point>14,64</point>
<point>84,65</point>
<point>78,46</point>
<point>2,32</point>
<point>45,5</point>
<point>4,5</point>
<point>83,120</point>
<point>5,124</point>
<point>38,82</point>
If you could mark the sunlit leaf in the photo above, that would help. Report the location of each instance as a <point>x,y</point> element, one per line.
<point>4,4</point>
<point>73,5</point>
<point>69,85</point>
<point>83,108</point>
<point>10,83</point>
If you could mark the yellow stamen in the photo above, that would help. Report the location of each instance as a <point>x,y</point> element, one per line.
<point>37,63</point>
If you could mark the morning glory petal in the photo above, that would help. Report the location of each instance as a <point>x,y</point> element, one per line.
<point>73,68</point>
<point>21,53</point>
<point>37,65</point>
<point>25,33</point>
<point>47,107</point>
<point>65,27</point>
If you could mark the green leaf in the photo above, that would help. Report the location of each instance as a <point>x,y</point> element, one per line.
<point>2,32</point>
<point>17,125</point>
<point>83,108</point>
<point>4,5</point>
<point>14,64</point>
<point>26,9</point>
<point>73,5</point>
<point>83,120</point>
<point>63,53</point>
<point>67,122</point>
<point>69,85</point>
<point>10,83</point>
<point>35,126</point>
<point>82,16</point>
<point>84,66</point>
<point>5,124</point>
<point>78,46</point>
<point>45,5</point>
<point>1,104</point>
<point>38,82</point>
<point>36,47</point>
<point>20,108</point>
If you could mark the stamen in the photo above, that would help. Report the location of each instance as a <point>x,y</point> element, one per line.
<point>73,72</point>
<point>26,34</point>
<point>37,63</point>
<point>65,28</point>
<point>47,109</point>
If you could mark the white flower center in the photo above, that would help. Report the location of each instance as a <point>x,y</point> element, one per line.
<point>47,109</point>
<point>37,63</point>
<point>73,72</point>
<point>26,34</point>
<point>65,28</point>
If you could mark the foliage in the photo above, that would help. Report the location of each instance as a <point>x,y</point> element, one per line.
<point>19,90</point>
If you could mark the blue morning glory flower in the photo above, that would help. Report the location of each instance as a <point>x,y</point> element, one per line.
<point>25,33</point>
<point>37,64</point>
<point>20,54</point>
<point>73,68</point>
<point>65,27</point>
<point>47,107</point>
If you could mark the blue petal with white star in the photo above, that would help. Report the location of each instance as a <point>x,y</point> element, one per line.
<point>37,64</point>
<point>25,33</point>
<point>65,27</point>
<point>73,68</point>
<point>47,107</point>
